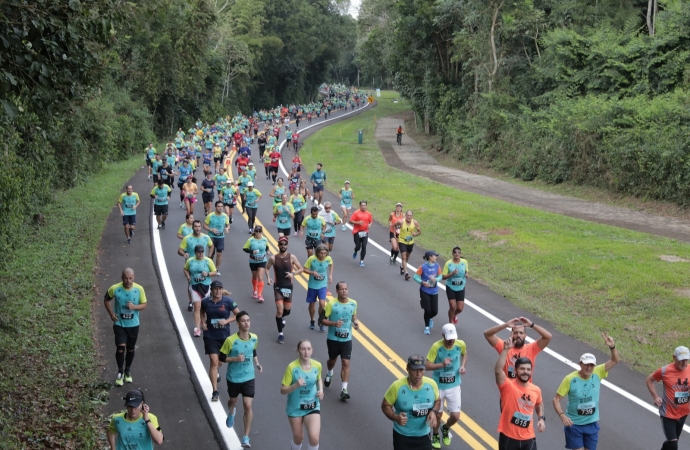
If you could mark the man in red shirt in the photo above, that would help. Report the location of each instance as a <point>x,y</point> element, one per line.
<point>674,407</point>
<point>241,162</point>
<point>238,139</point>
<point>275,163</point>
<point>361,220</point>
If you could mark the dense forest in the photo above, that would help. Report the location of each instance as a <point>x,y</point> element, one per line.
<point>86,83</point>
<point>587,91</point>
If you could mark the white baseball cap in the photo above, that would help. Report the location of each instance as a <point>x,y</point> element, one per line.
<point>250,184</point>
<point>449,332</point>
<point>588,358</point>
<point>682,353</point>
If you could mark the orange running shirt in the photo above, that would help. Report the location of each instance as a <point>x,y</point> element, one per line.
<point>529,351</point>
<point>517,409</point>
<point>676,393</point>
<point>364,216</point>
<point>392,219</point>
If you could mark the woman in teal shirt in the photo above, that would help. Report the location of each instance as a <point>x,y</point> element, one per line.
<point>304,388</point>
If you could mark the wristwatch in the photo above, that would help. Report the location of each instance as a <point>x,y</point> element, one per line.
<point>542,418</point>
<point>147,421</point>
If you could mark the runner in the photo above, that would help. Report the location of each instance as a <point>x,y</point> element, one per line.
<point>361,221</point>
<point>408,229</point>
<point>398,133</point>
<point>242,162</point>
<point>394,223</point>
<point>346,197</point>
<point>251,171</point>
<point>252,197</point>
<point>318,180</point>
<point>277,192</point>
<point>166,173</point>
<point>315,227</point>
<point>239,351</point>
<point>128,203</point>
<point>302,384</point>
<point>274,164</point>
<point>130,298</point>
<point>674,407</point>
<point>262,144</point>
<point>580,419</point>
<point>185,174</point>
<point>294,179</point>
<point>520,399</point>
<point>189,191</point>
<point>455,275</point>
<point>256,247</point>
<point>413,404</point>
<point>229,195</point>
<point>150,154</point>
<point>199,270</point>
<point>340,315</point>
<point>160,195</point>
<point>332,220</point>
<point>217,313</point>
<point>221,178</point>
<point>285,267</point>
<point>297,162</point>
<point>138,417</point>
<point>447,358</point>
<point>187,249</point>
<point>217,224</point>
<point>288,138</point>
<point>187,227</point>
<point>242,183</point>
<point>282,213</point>
<point>217,157</point>
<point>427,276</point>
<point>267,161</point>
<point>207,188</point>
<point>295,139</point>
<point>520,347</point>
<point>320,271</point>
<point>298,203</point>
<point>155,167</point>
<point>207,159</point>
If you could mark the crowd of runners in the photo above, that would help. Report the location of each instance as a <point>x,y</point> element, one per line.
<point>415,403</point>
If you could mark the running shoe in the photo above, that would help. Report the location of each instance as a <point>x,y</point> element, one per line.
<point>190,307</point>
<point>129,240</point>
<point>455,319</point>
<point>402,270</point>
<point>128,377</point>
<point>218,375</point>
<point>217,273</point>
<point>250,231</point>
<point>446,435</point>
<point>354,255</point>
<point>181,205</point>
<point>163,225</point>
<point>230,421</point>
<point>255,294</point>
<point>327,380</point>
<point>426,330</point>
<point>119,381</point>
<point>407,276</point>
<point>361,264</point>
<point>322,328</point>
<point>391,260</point>
<point>197,332</point>
<point>281,339</point>
<point>159,226</point>
<point>343,228</point>
<point>131,233</point>
<point>214,396</point>
<point>344,395</point>
<point>311,325</point>
<point>296,233</point>
<point>431,323</point>
<point>245,442</point>
<point>436,442</point>
<point>261,299</point>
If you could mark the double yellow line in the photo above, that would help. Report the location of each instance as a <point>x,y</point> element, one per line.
<point>393,362</point>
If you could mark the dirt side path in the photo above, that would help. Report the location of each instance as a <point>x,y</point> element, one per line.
<point>411,158</point>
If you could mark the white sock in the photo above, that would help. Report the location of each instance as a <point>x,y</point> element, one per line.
<point>330,372</point>
<point>295,446</point>
<point>344,384</point>
<point>314,447</point>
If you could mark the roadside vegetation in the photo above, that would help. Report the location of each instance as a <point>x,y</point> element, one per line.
<point>583,277</point>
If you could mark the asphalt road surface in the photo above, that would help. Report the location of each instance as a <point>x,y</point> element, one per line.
<point>388,309</point>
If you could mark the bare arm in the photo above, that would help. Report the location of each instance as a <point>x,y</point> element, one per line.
<point>545,335</point>
<point>559,410</point>
<point>388,411</point>
<point>501,362</point>
<point>615,357</point>
<point>541,423</point>
<point>652,390</point>
<point>111,440</point>
<point>295,263</point>
<point>490,334</point>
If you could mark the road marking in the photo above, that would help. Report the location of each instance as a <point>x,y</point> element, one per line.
<point>488,315</point>
<point>229,435</point>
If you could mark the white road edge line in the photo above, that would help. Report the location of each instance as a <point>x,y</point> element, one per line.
<point>488,315</point>
<point>232,441</point>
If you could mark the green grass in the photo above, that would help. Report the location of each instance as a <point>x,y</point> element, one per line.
<point>583,277</point>
<point>49,384</point>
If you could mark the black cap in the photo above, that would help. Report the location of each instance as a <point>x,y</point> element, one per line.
<point>430,253</point>
<point>416,362</point>
<point>133,398</point>
<point>199,248</point>
<point>258,228</point>
<point>216,284</point>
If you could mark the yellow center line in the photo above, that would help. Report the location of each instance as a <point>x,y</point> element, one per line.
<point>392,358</point>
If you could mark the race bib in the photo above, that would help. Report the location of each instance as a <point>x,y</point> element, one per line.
<point>511,372</point>
<point>251,203</point>
<point>328,229</point>
<point>161,199</point>
<point>307,404</point>
<point>318,277</point>
<point>258,256</point>
<point>215,323</point>
<point>586,409</point>
<point>457,282</point>
<point>199,278</point>
<point>346,201</point>
<point>681,398</point>
<point>127,316</point>
<point>521,420</point>
<point>314,233</point>
<point>285,292</point>
<point>447,377</point>
<point>421,409</point>
<point>362,234</point>
<point>342,333</point>
<point>408,238</point>
<point>283,220</point>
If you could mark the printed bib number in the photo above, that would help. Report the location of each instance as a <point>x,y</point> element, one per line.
<point>161,199</point>
<point>314,233</point>
<point>447,377</point>
<point>319,277</point>
<point>258,256</point>
<point>511,372</point>
<point>199,278</point>
<point>346,201</point>
<point>285,292</point>
<point>421,409</point>
<point>408,238</point>
<point>363,234</point>
<point>521,420</point>
<point>308,405</point>
<point>251,203</point>
<point>681,398</point>
<point>457,282</point>
<point>127,316</point>
<point>215,323</point>
<point>586,409</point>
<point>328,229</point>
<point>283,220</point>
<point>342,334</point>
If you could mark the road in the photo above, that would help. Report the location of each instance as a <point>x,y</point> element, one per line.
<point>392,330</point>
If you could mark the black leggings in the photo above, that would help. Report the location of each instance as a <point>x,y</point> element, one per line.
<point>673,427</point>
<point>429,303</point>
<point>299,216</point>
<point>251,216</point>
<point>506,443</point>
<point>361,242</point>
